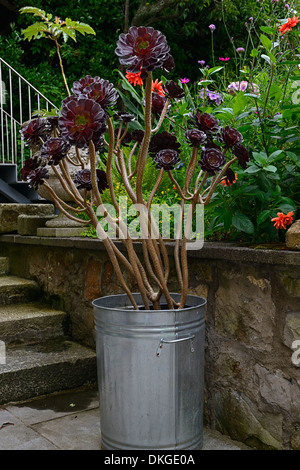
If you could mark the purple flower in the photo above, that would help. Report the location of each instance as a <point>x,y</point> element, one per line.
<point>287,6</point>
<point>230,136</point>
<point>240,49</point>
<point>201,62</point>
<point>163,140</point>
<point>212,27</point>
<point>242,154</point>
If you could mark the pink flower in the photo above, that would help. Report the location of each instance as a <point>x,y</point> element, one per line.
<point>224,59</point>
<point>184,80</point>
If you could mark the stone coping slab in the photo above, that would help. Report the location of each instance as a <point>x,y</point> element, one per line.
<point>211,250</point>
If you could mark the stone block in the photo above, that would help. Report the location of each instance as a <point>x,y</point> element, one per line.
<point>60,232</point>
<point>4,266</point>
<point>292,237</point>
<point>239,417</point>
<point>28,224</point>
<point>244,309</point>
<point>291,330</point>
<point>9,214</point>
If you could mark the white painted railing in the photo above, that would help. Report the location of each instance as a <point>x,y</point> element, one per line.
<point>18,101</point>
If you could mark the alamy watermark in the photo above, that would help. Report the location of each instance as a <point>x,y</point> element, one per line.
<point>136,221</point>
<point>296,353</point>
<point>296,94</point>
<point>2,92</point>
<point>2,353</point>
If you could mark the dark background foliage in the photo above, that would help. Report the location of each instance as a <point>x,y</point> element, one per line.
<point>185,23</point>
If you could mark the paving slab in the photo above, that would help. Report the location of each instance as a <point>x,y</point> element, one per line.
<point>69,421</point>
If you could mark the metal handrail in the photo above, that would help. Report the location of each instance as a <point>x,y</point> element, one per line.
<point>15,110</point>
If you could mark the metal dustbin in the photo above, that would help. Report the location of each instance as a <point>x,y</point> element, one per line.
<point>150,374</point>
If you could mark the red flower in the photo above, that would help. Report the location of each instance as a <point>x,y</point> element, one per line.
<point>282,220</point>
<point>291,23</point>
<point>229,179</point>
<point>212,160</point>
<point>134,78</point>
<point>157,87</point>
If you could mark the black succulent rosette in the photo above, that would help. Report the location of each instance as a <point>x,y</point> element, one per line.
<point>79,86</point>
<point>204,122</point>
<point>167,159</point>
<point>242,154</point>
<point>102,180</point>
<point>229,176</point>
<point>230,136</point>
<point>36,130</point>
<point>124,116</point>
<point>212,160</point>
<point>144,49</point>
<point>127,137</point>
<point>158,103</point>
<point>195,137</point>
<point>137,135</point>
<point>173,90</point>
<point>55,149</point>
<point>103,92</point>
<point>29,165</point>
<point>35,178</point>
<point>82,121</point>
<point>161,141</point>
<point>83,180</point>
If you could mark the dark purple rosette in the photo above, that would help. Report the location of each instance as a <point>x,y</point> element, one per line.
<point>102,180</point>
<point>173,90</point>
<point>83,180</point>
<point>127,137</point>
<point>205,122</point>
<point>137,135</point>
<point>230,177</point>
<point>195,137</point>
<point>79,86</point>
<point>35,178</point>
<point>167,159</point>
<point>81,121</point>
<point>230,136</point>
<point>242,154</point>
<point>103,92</point>
<point>163,140</point>
<point>29,165</point>
<point>143,49</point>
<point>212,160</point>
<point>55,149</point>
<point>124,116</point>
<point>168,64</point>
<point>158,103</point>
<point>34,131</point>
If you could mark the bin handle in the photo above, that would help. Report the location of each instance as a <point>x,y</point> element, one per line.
<point>176,340</point>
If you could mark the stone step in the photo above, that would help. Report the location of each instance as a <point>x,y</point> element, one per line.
<point>40,369</point>
<point>4,266</point>
<point>31,323</point>
<point>14,289</point>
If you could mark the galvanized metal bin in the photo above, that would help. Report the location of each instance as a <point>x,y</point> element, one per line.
<point>150,374</point>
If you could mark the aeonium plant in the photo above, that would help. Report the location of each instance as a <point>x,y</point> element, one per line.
<point>87,120</point>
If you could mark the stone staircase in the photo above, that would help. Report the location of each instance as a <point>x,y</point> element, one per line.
<point>12,190</point>
<point>38,356</point>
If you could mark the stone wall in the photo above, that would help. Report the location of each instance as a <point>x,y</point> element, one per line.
<point>252,322</point>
